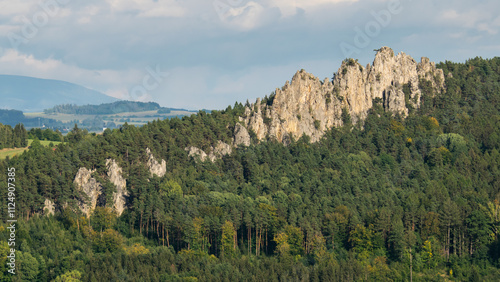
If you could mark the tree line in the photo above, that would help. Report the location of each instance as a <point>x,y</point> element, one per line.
<point>384,200</point>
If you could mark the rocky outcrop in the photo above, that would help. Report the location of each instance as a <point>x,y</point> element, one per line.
<point>86,184</point>
<point>196,153</point>
<point>241,136</point>
<point>217,152</point>
<point>121,194</point>
<point>310,106</point>
<point>49,207</point>
<point>220,150</point>
<point>154,166</point>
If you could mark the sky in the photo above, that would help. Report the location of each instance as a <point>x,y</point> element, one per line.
<point>210,54</point>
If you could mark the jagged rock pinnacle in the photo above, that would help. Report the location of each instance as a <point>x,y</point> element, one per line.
<point>309,106</point>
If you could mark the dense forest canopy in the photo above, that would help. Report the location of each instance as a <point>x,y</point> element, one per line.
<point>378,200</point>
<point>104,109</point>
<point>13,137</point>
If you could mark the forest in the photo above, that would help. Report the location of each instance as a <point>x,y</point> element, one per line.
<point>389,199</point>
<point>16,137</point>
<point>104,109</point>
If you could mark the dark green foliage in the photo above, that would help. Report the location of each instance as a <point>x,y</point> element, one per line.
<point>363,204</point>
<point>46,134</point>
<point>16,137</point>
<point>104,109</point>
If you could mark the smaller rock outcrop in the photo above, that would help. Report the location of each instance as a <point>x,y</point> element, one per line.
<point>115,177</point>
<point>241,136</point>
<point>196,152</point>
<point>217,152</point>
<point>85,183</point>
<point>49,207</point>
<point>154,166</point>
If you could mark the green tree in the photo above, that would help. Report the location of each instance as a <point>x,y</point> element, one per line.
<point>228,239</point>
<point>70,276</point>
<point>27,266</point>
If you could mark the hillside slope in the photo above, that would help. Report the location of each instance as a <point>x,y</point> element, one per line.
<point>398,195</point>
<point>30,94</point>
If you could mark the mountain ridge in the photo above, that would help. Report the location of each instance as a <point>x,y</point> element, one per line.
<point>309,106</point>
<point>31,94</point>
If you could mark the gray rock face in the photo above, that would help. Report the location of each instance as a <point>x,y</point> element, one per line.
<point>217,152</point>
<point>115,177</point>
<point>220,150</point>
<point>241,136</point>
<point>49,207</point>
<point>154,166</point>
<point>310,106</point>
<point>85,183</point>
<point>196,153</point>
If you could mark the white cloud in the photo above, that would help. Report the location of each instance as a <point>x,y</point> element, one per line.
<point>478,18</point>
<point>289,7</point>
<point>148,8</point>
<point>246,17</point>
<point>107,80</point>
<point>8,8</point>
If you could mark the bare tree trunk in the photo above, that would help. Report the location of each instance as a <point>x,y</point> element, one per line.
<point>168,241</point>
<point>157,230</point>
<point>235,236</point>
<point>249,239</point>
<point>411,266</point>
<point>140,224</point>
<point>448,245</point>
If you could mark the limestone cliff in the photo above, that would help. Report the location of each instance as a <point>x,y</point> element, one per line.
<point>89,186</point>
<point>310,106</point>
<point>241,136</point>
<point>217,152</point>
<point>115,177</point>
<point>154,166</point>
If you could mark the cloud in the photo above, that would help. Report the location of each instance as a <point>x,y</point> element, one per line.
<point>214,88</point>
<point>291,7</point>
<point>16,63</point>
<point>9,8</point>
<point>237,50</point>
<point>148,8</point>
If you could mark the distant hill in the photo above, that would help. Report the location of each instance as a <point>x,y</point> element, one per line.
<point>30,94</point>
<point>13,117</point>
<point>111,108</point>
<point>104,109</point>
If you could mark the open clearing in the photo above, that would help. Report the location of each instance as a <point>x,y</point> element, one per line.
<point>136,118</point>
<point>18,151</point>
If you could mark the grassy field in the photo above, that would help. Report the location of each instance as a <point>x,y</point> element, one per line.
<point>136,118</point>
<point>17,151</point>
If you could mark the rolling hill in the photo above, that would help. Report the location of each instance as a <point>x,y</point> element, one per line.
<point>31,94</point>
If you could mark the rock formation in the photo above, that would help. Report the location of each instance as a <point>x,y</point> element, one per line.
<point>85,183</point>
<point>241,136</point>
<point>115,177</point>
<point>310,106</point>
<point>196,153</point>
<point>217,152</point>
<point>49,207</point>
<point>154,166</point>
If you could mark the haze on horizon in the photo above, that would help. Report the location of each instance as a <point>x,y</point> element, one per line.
<point>208,54</point>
